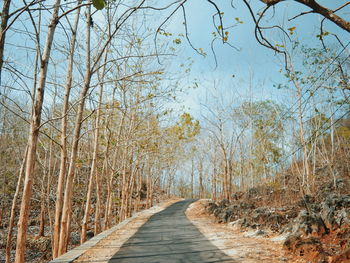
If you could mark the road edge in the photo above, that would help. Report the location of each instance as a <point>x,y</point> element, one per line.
<point>78,251</point>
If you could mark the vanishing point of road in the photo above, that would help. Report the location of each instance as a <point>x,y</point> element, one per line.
<point>169,237</point>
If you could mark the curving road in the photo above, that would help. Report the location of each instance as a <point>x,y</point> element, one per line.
<point>169,237</point>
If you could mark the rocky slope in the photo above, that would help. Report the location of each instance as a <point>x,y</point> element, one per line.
<point>315,227</point>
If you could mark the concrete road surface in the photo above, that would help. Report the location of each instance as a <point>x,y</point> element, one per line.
<point>169,237</point>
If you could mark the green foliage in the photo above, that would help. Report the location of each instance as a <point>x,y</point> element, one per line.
<point>267,132</point>
<point>291,30</point>
<point>344,132</point>
<point>164,33</point>
<point>323,34</point>
<point>202,52</point>
<point>177,41</point>
<point>187,127</point>
<point>238,20</point>
<point>99,4</point>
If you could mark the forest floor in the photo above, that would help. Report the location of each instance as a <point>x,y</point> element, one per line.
<point>313,227</point>
<point>241,246</point>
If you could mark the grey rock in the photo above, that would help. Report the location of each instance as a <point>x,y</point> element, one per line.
<point>336,210</point>
<point>309,223</point>
<point>224,203</point>
<point>90,235</point>
<point>75,238</point>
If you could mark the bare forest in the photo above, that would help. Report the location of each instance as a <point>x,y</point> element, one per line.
<point>93,128</point>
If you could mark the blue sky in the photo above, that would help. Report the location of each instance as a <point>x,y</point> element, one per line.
<point>252,61</point>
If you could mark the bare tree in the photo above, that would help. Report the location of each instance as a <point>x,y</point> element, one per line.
<point>4,21</point>
<point>63,161</point>
<point>33,138</point>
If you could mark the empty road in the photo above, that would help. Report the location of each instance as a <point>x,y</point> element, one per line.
<point>169,237</point>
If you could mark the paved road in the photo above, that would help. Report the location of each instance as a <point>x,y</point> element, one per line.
<point>169,237</point>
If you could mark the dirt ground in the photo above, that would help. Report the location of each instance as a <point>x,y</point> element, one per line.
<point>241,246</point>
<point>110,245</point>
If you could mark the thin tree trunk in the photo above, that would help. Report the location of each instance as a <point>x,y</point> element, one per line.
<point>13,208</point>
<point>4,20</point>
<point>201,187</point>
<point>66,209</point>
<point>306,173</point>
<point>63,159</point>
<point>138,189</point>
<point>87,209</point>
<point>99,217</point>
<point>149,182</point>
<point>108,201</point>
<point>48,203</point>
<point>214,182</point>
<point>109,182</point>
<point>97,226</point>
<point>41,232</point>
<point>93,173</point>
<point>230,178</point>
<point>332,151</point>
<point>98,214</point>
<point>153,182</point>
<point>192,178</point>
<point>46,177</point>
<point>130,191</point>
<point>109,206</point>
<point>126,172</point>
<point>124,188</point>
<point>225,182</point>
<point>33,139</point>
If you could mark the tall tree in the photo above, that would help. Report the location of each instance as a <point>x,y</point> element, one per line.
<point>64,120</point>
<point>4,21</point>
<point>33,137</point>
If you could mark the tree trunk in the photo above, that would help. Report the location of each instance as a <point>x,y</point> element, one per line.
<point>66,210</point>
<point>201,187</point>
<point>33,139</point>
<point>87,209</point>
<point>306,172</point>
<point>230,178</point>
<point>109,206</point>
<point>192,179</point>
<point>93,173</point>
<point>46,177</point>
<point>130,191</point>
<point>63,158</point>
<point>13,208</point>
<point>41,232</point>
<point>149,183</point>
<point>124,189</point>
<point>138,189</point>
<point>97,226</point>
<point>214,182</point>
<point>4,20</point>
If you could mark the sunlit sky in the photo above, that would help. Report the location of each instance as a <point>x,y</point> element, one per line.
<point>249,69</point>
<point>252,63</point>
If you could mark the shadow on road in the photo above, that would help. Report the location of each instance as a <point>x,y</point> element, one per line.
<point>170,237</point>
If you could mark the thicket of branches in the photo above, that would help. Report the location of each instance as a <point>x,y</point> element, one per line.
<point>296,144</point>
<point>91,90</point>
<point>86,134</point>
